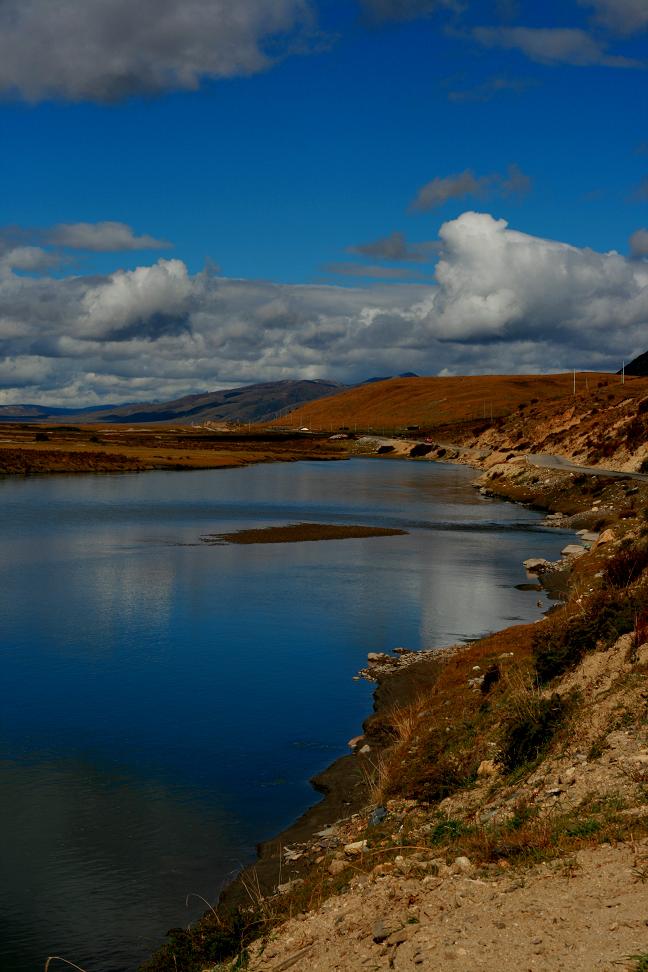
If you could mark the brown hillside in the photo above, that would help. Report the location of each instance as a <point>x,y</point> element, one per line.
<point>431,402</point>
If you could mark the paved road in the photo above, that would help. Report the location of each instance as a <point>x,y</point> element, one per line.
<point>557,462</point>
<point>536,459</point>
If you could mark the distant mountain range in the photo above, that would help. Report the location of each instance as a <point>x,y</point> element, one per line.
<point>252,403</point>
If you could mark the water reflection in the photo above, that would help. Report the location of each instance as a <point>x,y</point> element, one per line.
<point>165,701</point>
<point>91,841</point>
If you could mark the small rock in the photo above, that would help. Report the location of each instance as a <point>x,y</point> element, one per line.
<point>386,867</point>
<point>289,885</point>
<point>572,550</point>
<point>381,931</point>
<point>352,743</point>
<point>336,867</point>
<point>365,749</point>
<point>377,816</point>
<point>400,936</point>
<point>606,537</point>
<point>462,865</point>
<point>327,832</point>
<point>487,768</point>
<point>588,536</point>
<point>378,658</point>
<point>355,848</point>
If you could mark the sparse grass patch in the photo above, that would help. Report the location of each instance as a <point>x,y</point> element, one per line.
<point>530,836</point>
<point>640,962</point>
<point>447,829</point>
<point>626,566</point>
<point>213,939</point>
<point>530,728</point>
<point>583,828</point>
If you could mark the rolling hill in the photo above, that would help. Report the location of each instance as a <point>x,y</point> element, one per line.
<point>639,366</point>
<point>434,402</point>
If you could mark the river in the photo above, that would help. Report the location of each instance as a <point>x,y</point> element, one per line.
<point>165,701</point>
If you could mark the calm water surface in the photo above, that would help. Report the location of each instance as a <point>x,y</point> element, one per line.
<point>164,702</point>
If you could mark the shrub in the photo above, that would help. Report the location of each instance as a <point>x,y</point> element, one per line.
<point>492,675</point>
<point>636,433</point>
<point>531,729</point>
<point>561,646</point>
<point>626,566</point>
<point>41,437</point>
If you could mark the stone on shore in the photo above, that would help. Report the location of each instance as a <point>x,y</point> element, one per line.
<point>572,550</point>
<point>536,565</point>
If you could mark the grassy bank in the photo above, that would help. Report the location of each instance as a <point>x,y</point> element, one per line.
<point>33,450</point>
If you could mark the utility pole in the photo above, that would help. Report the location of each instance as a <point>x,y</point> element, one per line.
<point>623,374</point>
<point>574,381</point>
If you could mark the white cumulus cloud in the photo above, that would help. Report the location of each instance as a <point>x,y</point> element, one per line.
<point>501,301</point>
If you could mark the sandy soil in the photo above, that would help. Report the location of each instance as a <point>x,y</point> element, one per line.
<point>589,912</point>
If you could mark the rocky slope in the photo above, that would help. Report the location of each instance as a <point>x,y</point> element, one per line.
<point>604,425</point>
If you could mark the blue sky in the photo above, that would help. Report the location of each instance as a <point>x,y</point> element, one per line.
<point>284,147</point>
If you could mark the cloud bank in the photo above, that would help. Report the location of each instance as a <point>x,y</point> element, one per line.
<point>501,301</point>
<point>105,50</point>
